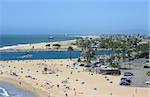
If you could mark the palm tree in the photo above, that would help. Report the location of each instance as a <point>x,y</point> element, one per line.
<point>83,43</point>
<point>80,43</point>
<point>143,49</point>
<point>70,49</point>
<point>89,52</point>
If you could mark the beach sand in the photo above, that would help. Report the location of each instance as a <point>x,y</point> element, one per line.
<point>41,46</point>
<point>63,79</point>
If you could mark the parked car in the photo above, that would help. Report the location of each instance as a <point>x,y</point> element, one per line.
<point>128,80</point>
<point>87,65</point>
<point>94,65</point>
<point>81,65</point>
<point>127,77</point>
<point>128,74</point>
<point>148,82</point>
<point>125,82</point>
<point>146,66</point>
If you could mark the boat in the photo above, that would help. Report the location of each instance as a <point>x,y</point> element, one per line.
<point>50,37</point>
<point>26,56</point>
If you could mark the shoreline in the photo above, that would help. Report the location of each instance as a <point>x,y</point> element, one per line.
<point>64,69</point>
<point>41,46</point>
<point>39,93</point>
<point>36,50</point>
<point>24,86</point>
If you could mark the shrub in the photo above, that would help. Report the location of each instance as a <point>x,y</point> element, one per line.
<point>148,73</point>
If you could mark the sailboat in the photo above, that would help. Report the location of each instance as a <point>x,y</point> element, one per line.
<point>50,37</point>
<point>27,56</point>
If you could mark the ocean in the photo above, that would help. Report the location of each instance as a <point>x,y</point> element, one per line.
<point>46,55</point>
<point>8,90</point>
<point>12,40</point>
<point>9,40</point>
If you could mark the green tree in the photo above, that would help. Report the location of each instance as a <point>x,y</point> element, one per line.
<point>57,46</point>
<point>148,73</point>
<point>48,45</point>
<point>88,51</point>
<point>70,49</point>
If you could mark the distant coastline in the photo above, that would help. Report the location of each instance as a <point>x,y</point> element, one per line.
<point>10,40</point>
<point>40,46</point>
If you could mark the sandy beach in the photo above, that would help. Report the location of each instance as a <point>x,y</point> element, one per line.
<point>63,79</point>
<point>40,46</point>
<point>24,85</point>
<point>74,48</point>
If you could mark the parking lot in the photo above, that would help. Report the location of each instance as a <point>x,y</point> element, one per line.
<point>140,73</point>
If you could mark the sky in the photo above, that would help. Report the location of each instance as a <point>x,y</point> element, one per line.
<point>74,17</point>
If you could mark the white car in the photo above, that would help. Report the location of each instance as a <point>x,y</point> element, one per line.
<point>126,77</point>
<point>148,82</point>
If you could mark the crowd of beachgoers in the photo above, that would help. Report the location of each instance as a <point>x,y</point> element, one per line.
<point>64,78</point>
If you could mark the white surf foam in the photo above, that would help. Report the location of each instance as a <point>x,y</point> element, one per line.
<point>10,47</point>
<point>3,92</point>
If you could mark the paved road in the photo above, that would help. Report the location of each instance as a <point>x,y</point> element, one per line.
<point>140,74</point>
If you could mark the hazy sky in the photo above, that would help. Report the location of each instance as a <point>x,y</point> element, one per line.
<point>73,16</point>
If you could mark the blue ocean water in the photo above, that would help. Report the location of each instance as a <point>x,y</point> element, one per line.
<point>46,55</point>
<point>14,91</point>
<point>9,40</point>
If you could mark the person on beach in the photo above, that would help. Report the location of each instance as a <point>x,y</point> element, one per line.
<point>74,92</point>
<point>20,83</point>
<point>71,72</point>
<point>111,94</point>
<point>66,94</point>
<point>57,85</point>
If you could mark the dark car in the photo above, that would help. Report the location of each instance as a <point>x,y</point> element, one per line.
<point>128,74</point>
<point>125,79</point>
<point>88,65</point>
<point>81,65</point>
<point>94,65</point>
<point>146,66</point>
<point>125,82</point>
